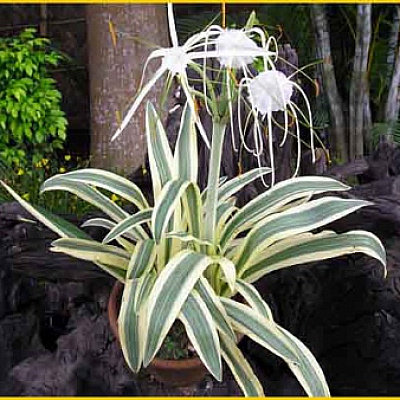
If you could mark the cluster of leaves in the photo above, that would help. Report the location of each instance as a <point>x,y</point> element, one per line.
<point>32,125</point>
<point>170,272</point>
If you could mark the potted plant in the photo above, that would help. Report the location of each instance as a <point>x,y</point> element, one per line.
<point>186,256</point>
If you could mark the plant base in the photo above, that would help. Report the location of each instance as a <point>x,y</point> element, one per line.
<point>174,373</point>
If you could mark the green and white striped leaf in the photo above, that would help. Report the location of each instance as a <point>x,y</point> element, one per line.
<point>130,226</point>
<point>231,187</point>
<point>160,156</point>
<point>57,224</point>
<point>185,237</point>
<point>254,299</point>
<point>108,181</point>
<point>193,209</point>
<point>169,198</point>
<point>202,333</point>
<point>90,250</point>
<point>229,270</point>
<point>215,307</point>
<point>100,223</point>
<point>241,369</point>
<point>115,272</point>
<point>186,153</point>
<point>224,212</point>
<point>130,330</point>
<point>306,369</point>
<point>87,193</point>
<point>142,260</point>
<point>274,199</point>
<point>260,329</point>
<point>315,247</point>
<point>168,295</point>
<point>294,221</point>
<point>107,224</point>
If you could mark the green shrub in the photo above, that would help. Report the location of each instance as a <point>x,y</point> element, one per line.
<point>32,125</point>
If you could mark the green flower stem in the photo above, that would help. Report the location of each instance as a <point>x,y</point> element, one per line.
<point>218,135</point>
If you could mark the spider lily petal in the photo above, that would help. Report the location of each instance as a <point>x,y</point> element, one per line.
<point>235,39</point>
<point>142,94</point>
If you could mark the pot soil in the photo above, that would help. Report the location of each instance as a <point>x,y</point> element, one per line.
<point>174,373</point>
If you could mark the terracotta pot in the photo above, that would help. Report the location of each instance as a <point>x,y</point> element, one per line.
<point>175,373</point>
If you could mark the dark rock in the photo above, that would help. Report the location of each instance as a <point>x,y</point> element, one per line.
<point>19,339</point>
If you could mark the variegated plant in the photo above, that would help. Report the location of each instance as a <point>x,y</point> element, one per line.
<point>185,257</point>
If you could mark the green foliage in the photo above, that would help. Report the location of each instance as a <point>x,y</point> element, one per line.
<point>380,130</point>
<point>175,345</point>
<point>32,124</point>
<point>27,181</point>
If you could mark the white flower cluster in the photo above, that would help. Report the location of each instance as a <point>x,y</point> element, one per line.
<point>235,49</point>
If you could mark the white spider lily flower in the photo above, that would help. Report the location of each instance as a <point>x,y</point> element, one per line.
<point>237,50</point>
<point>232,41</point>
<point>269,92</point>
<point>176,59</point>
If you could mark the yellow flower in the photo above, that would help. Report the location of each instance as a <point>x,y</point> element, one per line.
<point>45,161</point>
<point>62,170</point>
<point>67,157</point>
<point>25,196</point>
<point>39,164</point>
<point>20,171</point>
<point>114,197</point>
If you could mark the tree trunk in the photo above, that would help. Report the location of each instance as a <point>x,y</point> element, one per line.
<point>323,48</point>
<point>359,115</point>
<point>115,66</point>
<point>392,105</point>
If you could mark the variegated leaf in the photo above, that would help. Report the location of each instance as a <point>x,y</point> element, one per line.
<point>115,272</point>
<point>202,333</point>
<point>130,226</point>
<point>193,209</point>
<point>280,195</point>
<point>215,307</point>
<point>241,369</point>
<point>142,260</point>
<point>224,212</point>
<point>292,222</point>
<point>57,224</point>
<point>130,331</point>
<point>160,156</point>
<point>229,270</point>
<point>107,224</point>
<point>109,181</point>
<point>254,299</point>
<point>185,237</point>
<point>260,329</point>
<point>168,295</point>
<point>306,369</point>
<point>90,250</point>
<point>87,193</point>
<point>315,247</point>
<point>231,187</point>
<point>170,196</point>
<point>186,153</point>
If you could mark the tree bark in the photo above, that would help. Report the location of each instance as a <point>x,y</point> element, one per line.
<point>115,66</point>
<point>359,115</point>
<point>323,48</point>
<point>392,105</point>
